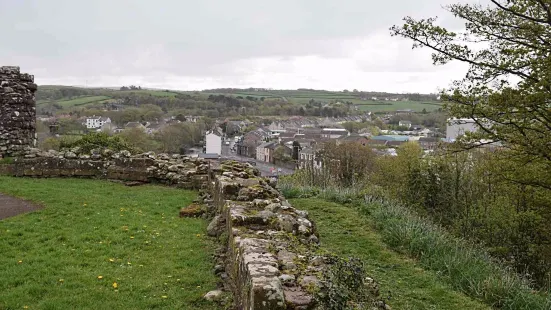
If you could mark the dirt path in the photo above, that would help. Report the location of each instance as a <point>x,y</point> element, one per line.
<point>10,206</point>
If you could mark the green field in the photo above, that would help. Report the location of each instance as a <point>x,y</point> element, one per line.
<point>404,284</point>
<point>82,101</point>
<point>93,234</point>
<point>384,106</point>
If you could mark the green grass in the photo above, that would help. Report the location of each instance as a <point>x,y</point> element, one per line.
<point>384,106</point>
<point>6,160</point>
<point>82,101</point>
<point>52,258</point>
<point>347,232</point>
<point>467,268</point>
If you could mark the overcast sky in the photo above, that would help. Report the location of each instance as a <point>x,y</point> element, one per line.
<point>188,45</point>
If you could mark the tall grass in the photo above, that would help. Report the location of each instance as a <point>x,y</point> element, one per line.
<point>466,267</point>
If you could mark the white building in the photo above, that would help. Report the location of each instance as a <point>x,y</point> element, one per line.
<point>459,126</point>
<point>213,142</point>
<point>406,124</point>
<point>333,133</point>
<point>96,122</point>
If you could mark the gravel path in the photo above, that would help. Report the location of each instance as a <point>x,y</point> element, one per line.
<point>10,206</point>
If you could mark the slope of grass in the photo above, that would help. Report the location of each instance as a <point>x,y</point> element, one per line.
<point>406,285</point>
<point>466,267</point>
<point>82,101</point>
<point>93,234</point>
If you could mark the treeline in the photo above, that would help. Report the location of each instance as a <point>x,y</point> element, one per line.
<point>474,194</point>
<point>173,138</point>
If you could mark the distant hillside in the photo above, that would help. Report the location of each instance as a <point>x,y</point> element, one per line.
<point>70,97</point>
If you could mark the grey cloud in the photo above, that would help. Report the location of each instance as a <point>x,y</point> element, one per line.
<point>62,38</point>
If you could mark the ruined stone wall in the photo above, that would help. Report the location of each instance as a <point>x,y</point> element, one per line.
<point>270,259</point>
<point>17,112</point>
<point>177,170</point>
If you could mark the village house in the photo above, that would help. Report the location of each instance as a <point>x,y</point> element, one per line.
<point>265,152</point>
<point>246,145</point>
<point>428,143</point>
<point>307,158</point>
<point>354,138</point>
<point>110,128</point>
<point>95,122</point>
<point>457,127</point>
<point>333,133</point>
<point>191,119</point>
<point>405,124</point>
<point>213,142</point>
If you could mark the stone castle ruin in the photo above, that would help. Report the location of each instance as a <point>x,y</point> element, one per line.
<point>17,112</point>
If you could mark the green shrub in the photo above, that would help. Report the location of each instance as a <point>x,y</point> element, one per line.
<point>345,285</point>
<point>99,140</point>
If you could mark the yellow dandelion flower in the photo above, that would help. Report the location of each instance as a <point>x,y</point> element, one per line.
<point>100,277</point>
<point>111,259</point>
<point>115,285</point>
<point>19,262</point>
<point>164,296</point>
<point>84,205</point>
<point>131,237</point>
<point>61,280</point>
<point>198,235</point>
<point>25,307</point>
<point>129,263</point>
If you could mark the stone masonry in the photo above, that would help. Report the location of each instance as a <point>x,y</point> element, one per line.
<point>17,112</point>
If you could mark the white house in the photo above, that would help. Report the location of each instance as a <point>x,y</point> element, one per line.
<point>406,124</point>
<point>96,122</point>
<point>213,141</point>
<point>459,126</point>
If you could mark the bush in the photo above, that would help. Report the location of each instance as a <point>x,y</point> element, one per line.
<point>99,140</point>
<point>345,286</point>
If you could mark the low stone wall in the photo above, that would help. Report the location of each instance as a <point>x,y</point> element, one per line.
<point>178,170</point>
<point>270,257</point>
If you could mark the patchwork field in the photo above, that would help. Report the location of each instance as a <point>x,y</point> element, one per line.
<point>101,245</point>
<point>80,101</point>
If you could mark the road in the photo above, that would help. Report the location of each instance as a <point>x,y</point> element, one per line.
<point>264,167</point>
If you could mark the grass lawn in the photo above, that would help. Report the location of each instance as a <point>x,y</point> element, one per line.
<point>101,245</point>
<point>345,231</point>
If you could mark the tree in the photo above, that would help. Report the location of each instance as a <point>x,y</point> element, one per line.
<point>139,138</point>
<point>280,154</point>
<point>517,44</point>
<point>349,162</point>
